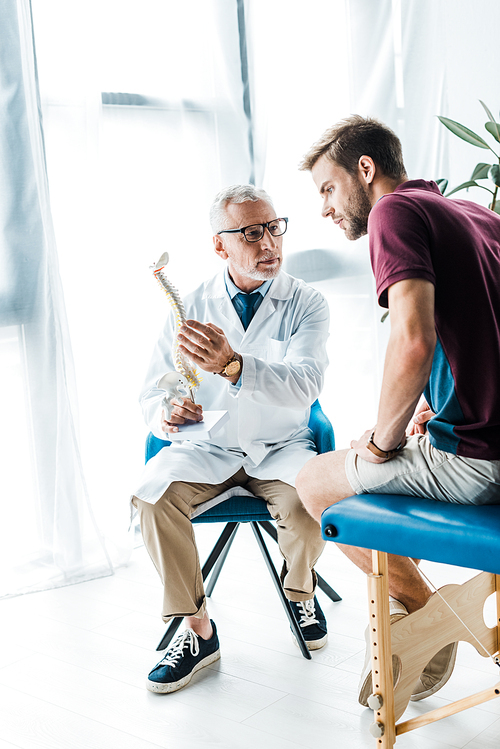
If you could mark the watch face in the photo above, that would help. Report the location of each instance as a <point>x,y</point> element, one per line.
<point>232,368</point>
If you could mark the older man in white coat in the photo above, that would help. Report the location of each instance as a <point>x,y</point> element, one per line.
<point>260,335</point>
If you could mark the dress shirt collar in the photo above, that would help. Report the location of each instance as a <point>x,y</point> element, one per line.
<point>232,289</point>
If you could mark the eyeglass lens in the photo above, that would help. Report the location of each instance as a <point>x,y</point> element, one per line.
<point>254,233</point>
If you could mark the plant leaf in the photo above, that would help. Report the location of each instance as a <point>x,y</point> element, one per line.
<point>442,184</point>
<point>494,129</point>
<point>494,174</point>
<point>384,316</point>
<point>464,132</point>
<point>463,186</point>
<point>496,209</point>
<point>481,171</point>
<point>487,110</point>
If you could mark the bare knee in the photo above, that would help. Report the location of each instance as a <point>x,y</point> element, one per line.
<point>305,483</point>
<point>322,482</point>
<point>308,485</point>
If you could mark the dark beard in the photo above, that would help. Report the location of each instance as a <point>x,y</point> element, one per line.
<point>357,211</point>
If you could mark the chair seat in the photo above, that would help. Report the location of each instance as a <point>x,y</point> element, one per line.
<point>461,535</point>
<point>237,509</point>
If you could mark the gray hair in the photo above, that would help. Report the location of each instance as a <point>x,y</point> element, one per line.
<point>233,194</point>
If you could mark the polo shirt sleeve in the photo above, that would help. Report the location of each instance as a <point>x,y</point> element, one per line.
<point>400,245</point>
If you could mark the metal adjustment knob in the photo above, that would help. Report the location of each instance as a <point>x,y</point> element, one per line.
<point>375,701</point>
<point>330,531</point>
<point>377,730</point>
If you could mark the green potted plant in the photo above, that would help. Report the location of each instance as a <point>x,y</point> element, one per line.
<point>482,171</point>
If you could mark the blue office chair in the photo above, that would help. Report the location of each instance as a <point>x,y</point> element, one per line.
<point>458,534</point>
<point>250,509</point>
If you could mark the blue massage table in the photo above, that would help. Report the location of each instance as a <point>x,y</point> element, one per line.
<point>461,535</point>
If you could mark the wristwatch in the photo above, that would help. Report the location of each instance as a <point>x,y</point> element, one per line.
<point>387,454</point>
<point>232,367</point>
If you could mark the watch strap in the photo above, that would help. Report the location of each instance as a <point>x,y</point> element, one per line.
<point>235,359</point>
<point>386,454</point>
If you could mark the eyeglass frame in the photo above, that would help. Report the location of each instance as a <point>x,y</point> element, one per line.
<point>264,227</point>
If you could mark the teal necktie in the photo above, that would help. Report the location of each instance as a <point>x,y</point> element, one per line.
<point>248,301</point>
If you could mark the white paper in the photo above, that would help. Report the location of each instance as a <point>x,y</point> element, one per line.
<point>201,430</point>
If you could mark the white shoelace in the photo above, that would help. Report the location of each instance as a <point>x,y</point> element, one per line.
<point>188,639</point>
<point>308,613</point>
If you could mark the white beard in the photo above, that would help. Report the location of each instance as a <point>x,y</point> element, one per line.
<point>264,274</point>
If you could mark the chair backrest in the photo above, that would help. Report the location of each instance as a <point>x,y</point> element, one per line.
<point>319,424</point>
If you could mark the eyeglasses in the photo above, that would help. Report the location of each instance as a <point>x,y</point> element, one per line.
<point>255,232</point>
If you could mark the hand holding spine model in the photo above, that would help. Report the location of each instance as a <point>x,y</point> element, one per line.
<point>188,378</point>
<point>176,387</point>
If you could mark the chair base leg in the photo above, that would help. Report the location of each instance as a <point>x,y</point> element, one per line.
<point>219,563</point>
<point>328,590</point>
<point>322,584</point>
<point>172,629</point>
<point>299,636</point>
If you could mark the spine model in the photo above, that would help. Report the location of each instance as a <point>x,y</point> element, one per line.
<point>182,364</point>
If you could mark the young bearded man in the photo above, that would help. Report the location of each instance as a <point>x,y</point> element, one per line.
<point>436,264</point>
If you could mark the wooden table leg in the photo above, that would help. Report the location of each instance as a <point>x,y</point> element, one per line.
<point>383,727</point>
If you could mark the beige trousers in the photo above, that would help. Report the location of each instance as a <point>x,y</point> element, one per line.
<point>169,538</point>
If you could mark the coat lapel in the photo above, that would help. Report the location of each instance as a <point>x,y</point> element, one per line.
<point>215,295</point>
<point>281,289</point>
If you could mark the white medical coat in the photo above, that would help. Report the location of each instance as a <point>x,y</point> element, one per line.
<point>284,360</point>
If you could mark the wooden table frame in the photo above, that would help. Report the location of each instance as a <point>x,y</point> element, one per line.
<point>416,638</point>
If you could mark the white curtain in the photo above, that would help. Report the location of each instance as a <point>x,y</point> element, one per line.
<point>49,535</point>
<point>415,59</point>
<point>144,120</point>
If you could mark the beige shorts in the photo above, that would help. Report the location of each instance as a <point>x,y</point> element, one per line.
<point>422,470</point>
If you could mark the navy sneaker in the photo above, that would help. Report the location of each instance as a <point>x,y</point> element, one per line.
<point>184,658</point>
<point>312,620</point>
